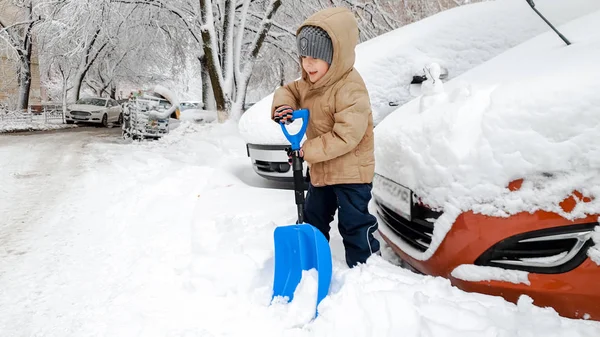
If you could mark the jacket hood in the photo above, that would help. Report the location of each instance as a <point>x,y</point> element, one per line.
<point>342,28</point>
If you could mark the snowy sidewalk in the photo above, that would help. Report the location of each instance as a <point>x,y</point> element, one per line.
<point>165,239</point>
<point>10,126</point>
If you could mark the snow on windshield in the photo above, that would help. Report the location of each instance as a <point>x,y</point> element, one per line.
<point>92,101</point>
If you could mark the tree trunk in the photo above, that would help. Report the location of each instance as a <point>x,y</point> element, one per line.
<point>77,86</point>
<point>228,52</point>
<point>64,98</point>
<point>211,58</point>
<point>113,91</point>
<point>24,75</point>
<point>25,80</point>
<point>87,64</point>
<point>281,74</point>
<point>257,45</point>
<point>207,96</point>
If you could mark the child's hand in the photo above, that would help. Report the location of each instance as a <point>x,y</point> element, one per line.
<point>289,153</point>
<point>283,114</point>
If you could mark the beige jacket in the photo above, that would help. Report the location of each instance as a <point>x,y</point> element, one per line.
<point>339,145</point>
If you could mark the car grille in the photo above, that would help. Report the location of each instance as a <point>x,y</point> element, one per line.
<point>546,251</point>
<point>80,113</point>
<point>418,231</point>
<point>264,166</point>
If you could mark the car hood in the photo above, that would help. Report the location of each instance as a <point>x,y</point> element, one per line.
<point>257,127</point>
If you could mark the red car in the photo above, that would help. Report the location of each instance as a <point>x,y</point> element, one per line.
<point>494,183</point>
<point>552,249</point>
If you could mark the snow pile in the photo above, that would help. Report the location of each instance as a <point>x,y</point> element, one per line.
<point>532,112</point>
<point>198,115</point>
<point>19,126</point>
<point>474,273</point>
<point>166,238</point>
<point>457,39</point>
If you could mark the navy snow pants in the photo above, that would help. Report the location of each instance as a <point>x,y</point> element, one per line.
<point>355,223</point>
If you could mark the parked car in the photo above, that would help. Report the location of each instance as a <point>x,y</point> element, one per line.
<point>147,113</point>
<point>495,185</point>
<point>186,105</point>
<point>96,110</point>
<point>392,64</point>
<point>198,115</point>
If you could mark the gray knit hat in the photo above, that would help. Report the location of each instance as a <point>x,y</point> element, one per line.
<point>313,41</point>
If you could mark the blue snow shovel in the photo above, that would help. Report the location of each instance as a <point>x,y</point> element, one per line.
<point>301,246</point>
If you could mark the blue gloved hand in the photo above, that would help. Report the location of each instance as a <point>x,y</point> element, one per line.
<point>283,114</point>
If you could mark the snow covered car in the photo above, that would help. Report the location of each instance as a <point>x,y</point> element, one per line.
<point>185,105</point>
<point>392,64</point>
<point>495,183</point>
<point>146,115</point>
<point>95,110</point>
<point>198,115</point>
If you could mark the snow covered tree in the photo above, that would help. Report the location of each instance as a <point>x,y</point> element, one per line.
<point>230,68</point>
<point>118,44</point>
<point>19,36</point>
<point>74,41</point>
<point>225,47</point>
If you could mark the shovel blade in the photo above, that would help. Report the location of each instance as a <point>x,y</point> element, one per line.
<point>297,248</point>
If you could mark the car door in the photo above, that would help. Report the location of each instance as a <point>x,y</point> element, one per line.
<point>107,110</point>
<point>118,109</point>
<point>114,110</point>
<point>111,111</point>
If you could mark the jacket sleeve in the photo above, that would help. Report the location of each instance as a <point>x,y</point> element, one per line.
<point>353,109</point>
<point>286,95</point>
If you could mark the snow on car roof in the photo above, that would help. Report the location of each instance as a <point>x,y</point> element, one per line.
<point>532,113</point>
<point>458,39</point>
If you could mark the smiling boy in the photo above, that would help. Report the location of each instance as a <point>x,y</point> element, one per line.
<point>339,145</point>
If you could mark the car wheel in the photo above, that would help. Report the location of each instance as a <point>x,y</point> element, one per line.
<point>70,122</point>
<point>120,122</point>
<point>105,121</point>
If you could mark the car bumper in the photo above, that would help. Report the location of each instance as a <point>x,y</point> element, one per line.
<point>572,293</point>
<point>84,119</point>
<point>271,161</point>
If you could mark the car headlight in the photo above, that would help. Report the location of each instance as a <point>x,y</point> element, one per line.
<point>547,251</point>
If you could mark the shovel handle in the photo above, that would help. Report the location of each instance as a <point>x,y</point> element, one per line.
<point>297,138</point>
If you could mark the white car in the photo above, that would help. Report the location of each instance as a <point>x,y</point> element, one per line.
<point>392,65</point>
<point>186,105</point>
<point>95,110</point>
<point>198,115</point>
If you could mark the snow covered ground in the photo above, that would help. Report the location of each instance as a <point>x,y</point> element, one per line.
<point>35,124</point>
<point>168,238</point>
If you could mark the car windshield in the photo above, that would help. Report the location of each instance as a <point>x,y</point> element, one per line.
<point>92,101</point>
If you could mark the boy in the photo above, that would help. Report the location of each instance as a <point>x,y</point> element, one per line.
<point>339,145</point>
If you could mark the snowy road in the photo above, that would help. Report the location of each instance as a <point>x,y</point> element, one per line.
<point>37,169</point>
